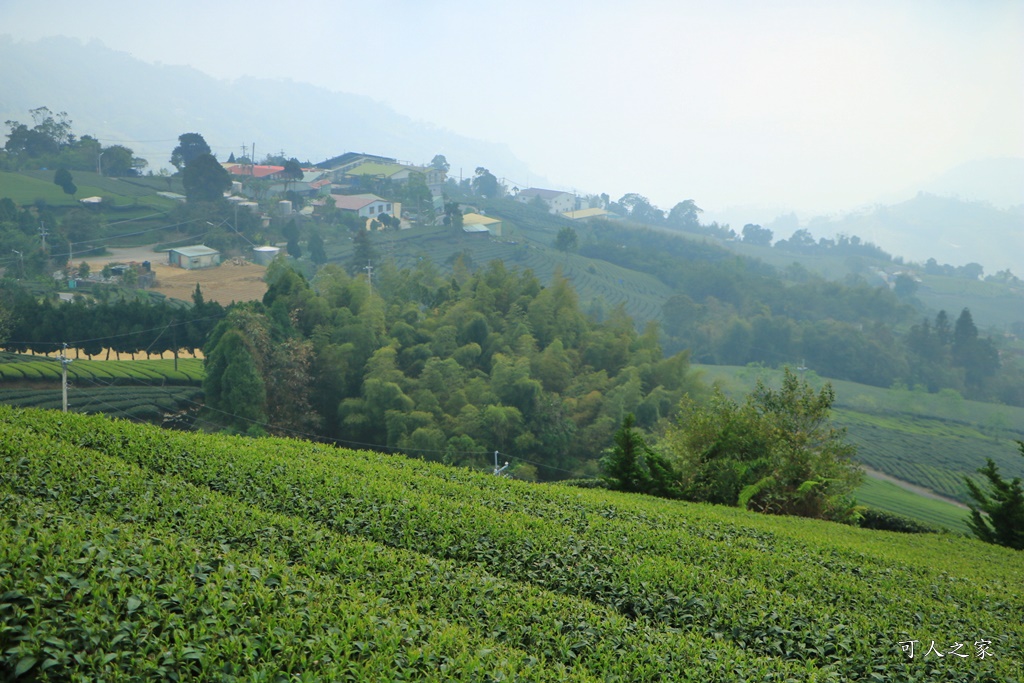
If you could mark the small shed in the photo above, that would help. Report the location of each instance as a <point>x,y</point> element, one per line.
<point>191,258</point>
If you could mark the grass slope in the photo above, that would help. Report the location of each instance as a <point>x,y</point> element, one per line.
<point>25,187</point>
<point>135,553</point>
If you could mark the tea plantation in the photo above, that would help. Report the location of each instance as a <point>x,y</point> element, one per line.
<point>132,553</point>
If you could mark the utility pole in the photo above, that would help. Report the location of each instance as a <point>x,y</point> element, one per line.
<point>64,360</point>
<point>369,275</point>
<point>22,258</point>
<point>43,234</point>
<point>498,471</point>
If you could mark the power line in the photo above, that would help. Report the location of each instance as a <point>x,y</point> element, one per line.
<point>79,342</point>
<point>313,437</point>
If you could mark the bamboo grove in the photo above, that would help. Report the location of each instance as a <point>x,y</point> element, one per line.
<point>442,368</point>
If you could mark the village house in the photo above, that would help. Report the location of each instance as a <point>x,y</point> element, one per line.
<point>556,200</point>
<point>364,205</point>
<point>254,171</point>
<point>345,169</point>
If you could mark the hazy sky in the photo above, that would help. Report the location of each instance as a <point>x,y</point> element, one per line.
<point>805,104</point>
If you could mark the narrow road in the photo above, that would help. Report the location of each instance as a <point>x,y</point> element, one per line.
<point>907,486</point>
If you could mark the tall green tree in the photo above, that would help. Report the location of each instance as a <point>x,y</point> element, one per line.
<point>685,215</point>
<point>291,233</point>
<point>62,179</point>
<point>119,160</point>
<point>363,253</point>
<point>292,172</point>
<point>630,465</point>
<point>50,134</point>
<point>566,240</point>
<point>440,163</point>
<point>205,180</point>
<point>755,234</point>
<point>190,147</point>
<point>453,215</point>
<point>640,209</point>
<point>233,384</point>
<point>999,515</point>
<point>485,184</point>
<point>317,254</point>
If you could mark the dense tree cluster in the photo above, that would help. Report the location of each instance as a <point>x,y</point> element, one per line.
<point>445,368</point>
<point>50,142</point>
<point>121,326</point>
<point>735,311</point>
<point>803,242</point>
<point>776,453</point>
<point>944,356</point>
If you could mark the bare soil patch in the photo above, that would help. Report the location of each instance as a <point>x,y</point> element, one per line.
<point>233,280</point>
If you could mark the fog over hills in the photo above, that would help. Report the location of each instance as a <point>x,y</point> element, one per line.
<point>966,215</point>
<point>115,97</point>
<point>944,227</point>
<point>999,182</point>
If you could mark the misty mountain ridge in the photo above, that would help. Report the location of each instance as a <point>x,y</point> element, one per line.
<point>116,97</point>
<point>997,181</point>
<point>949,229</point>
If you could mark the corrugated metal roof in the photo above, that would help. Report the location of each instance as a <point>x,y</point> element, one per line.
<point>543,194</point>
<point>371,168</point>
<point>584,213</point>
<point>354,202</point>
<point>478,219</point>
<point>195,250</point>
<point>257,171</point>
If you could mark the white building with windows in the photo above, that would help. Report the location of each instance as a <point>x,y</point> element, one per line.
<point>556,200</point>
<point>365,205</point>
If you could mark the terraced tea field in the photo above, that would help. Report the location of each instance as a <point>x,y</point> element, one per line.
<point>133,553</point>
<point>17,368</point>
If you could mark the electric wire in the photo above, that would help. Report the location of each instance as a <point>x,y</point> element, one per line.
<point>295,433</point>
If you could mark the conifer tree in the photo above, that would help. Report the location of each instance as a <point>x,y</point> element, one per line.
<point>1002,504</point>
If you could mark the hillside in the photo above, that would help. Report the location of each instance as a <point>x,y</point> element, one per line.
<point>150,105</point>
<point>945,228</point>
<point>186,557</point>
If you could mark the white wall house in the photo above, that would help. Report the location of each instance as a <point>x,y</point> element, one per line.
<point>366,205</point>
<point>556,200</point>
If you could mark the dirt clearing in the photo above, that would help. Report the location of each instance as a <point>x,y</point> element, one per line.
<point>232,280</point>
